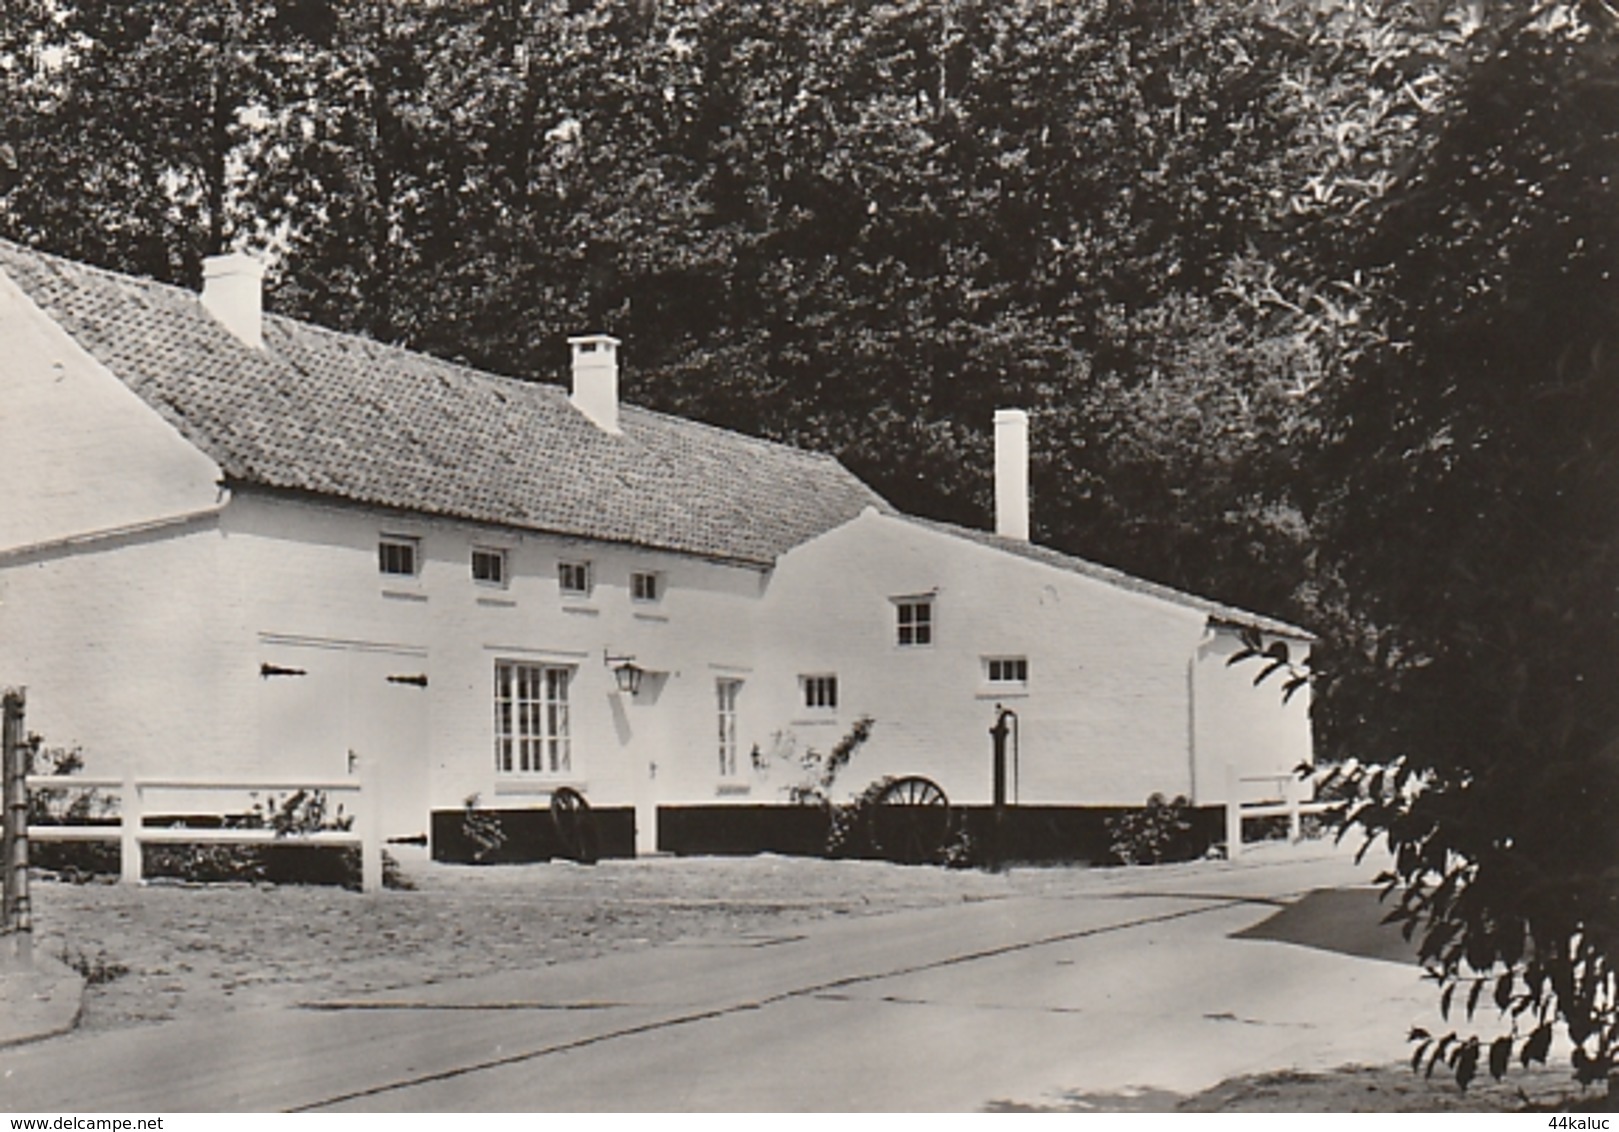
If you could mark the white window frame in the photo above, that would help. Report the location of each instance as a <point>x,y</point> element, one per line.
<point>915,626</point>
<point>727,690</point>
<point>819,691</point>
<point>500,557</point>
<point>533,719</point>
<point>586,578</point>
<point>407,543</point>
<point>640,581</point>
<point>1006,663</point>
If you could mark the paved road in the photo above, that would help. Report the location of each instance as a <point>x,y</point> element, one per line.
<point>1137,984</point>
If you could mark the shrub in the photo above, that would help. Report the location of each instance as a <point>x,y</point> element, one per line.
<point>849,833</point>
<point>483,830</point>
<point>1160,832</point>
<point>819,772</point>
<point>75,861</point>
<point>286,861</point>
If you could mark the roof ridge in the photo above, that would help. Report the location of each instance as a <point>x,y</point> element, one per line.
<point>709,426</point>
<point>95,269</point>
<point>1105,573</point>
<point>396,348</point>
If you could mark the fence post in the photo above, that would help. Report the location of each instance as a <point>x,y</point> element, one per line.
<point>1233,814</point>
<point>1293,792</point>
<point>129,829</point>
<point>370,829</point>
<point>14,759</point>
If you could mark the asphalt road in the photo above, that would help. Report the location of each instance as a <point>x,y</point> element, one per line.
<point>1142,983</point>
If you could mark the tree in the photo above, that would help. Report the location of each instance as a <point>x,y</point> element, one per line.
<point>134,124</point>
<point>1468,509</point>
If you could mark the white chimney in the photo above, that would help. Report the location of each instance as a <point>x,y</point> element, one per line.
<point>1012,474</point>
<point>595,379</point>
<point>233,292</point>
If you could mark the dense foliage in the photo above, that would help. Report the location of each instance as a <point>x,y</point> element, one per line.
<point>1312,301</point>
<point>858,227</point>
<point>1470,507</point>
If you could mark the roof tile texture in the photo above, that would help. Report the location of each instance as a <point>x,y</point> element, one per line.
<point>333,414</point>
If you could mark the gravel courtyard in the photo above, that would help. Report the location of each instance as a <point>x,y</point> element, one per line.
<point>170,951</point>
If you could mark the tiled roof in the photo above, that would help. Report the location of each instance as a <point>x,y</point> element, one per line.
<point>1214,610</point>
<point>337,415</point>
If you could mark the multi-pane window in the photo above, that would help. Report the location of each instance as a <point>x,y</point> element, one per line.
<point>1007,669</point>
<point>489,566</point>
<point>915,621</point>
<point>820,692</point>
<point>726,690</point>
<point>644,586</point>
<point>398,555</point>
<point>532,734</point>
<point>574,577</point>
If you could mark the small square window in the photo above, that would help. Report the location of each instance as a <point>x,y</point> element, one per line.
<point>574,577</point>
<point>820,692</point>
<point>915,622</point>
<point>1007,670</point>
<point>488,566</point>
<point>646,586</point>
<point>398,555</point>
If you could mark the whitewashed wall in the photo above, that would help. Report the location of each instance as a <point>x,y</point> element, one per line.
<point>119,647</point>
<point>306,583</point>
<point>1242,725</point>
<point>82,453</point>
<point>1107,715</point>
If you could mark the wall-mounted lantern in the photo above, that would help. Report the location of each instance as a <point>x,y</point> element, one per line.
<point>626,672</point>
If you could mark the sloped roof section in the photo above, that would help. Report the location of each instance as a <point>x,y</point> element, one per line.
<point>342,416</point>
<point>1214,610</point>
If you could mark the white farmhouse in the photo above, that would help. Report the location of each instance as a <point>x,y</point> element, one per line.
<point>238,546</point>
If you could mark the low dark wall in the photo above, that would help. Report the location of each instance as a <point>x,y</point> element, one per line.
<point>1066,833</point>
<point>798,831</point>
<point>529,836</point>
<point>1069,834</point>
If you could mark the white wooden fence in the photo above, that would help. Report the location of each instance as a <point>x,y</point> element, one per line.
<point>1265,796</point>
<point>132,833</point>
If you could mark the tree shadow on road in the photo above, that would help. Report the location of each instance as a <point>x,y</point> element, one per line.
<point>1344,920</point>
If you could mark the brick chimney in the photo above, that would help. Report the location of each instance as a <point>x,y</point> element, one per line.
<point>233,292</point>
<point>1012,474</point>
<point>595,379</point>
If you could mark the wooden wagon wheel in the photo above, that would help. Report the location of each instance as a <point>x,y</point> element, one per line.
<point>911,821</point>
<point>575,825</point>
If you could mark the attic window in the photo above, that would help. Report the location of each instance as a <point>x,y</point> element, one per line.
<point>914,621</point>
<point>645,586</point>
<point>574,577</point>
<point>489,566</point>
<point>399,555</point>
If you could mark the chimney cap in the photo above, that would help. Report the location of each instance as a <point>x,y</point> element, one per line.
<point>595,379</point>
<point>232,263</point>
